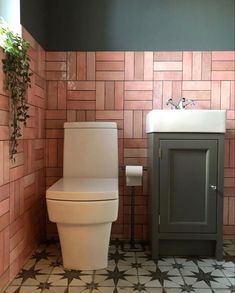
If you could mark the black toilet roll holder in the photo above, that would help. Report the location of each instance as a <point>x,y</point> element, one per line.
<point>131,245</point>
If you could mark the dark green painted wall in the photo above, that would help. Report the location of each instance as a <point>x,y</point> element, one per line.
<point>92,25</point>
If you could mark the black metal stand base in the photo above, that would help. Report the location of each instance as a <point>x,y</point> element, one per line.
<point>129,247</point>
<point>132,245</point>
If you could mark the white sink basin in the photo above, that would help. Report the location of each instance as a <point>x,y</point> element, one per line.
<point>201,121</point>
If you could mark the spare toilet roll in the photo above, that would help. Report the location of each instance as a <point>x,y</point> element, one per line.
<point>134,175</point>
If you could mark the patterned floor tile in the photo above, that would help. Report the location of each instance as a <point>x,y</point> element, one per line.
<point>232,280</point>
<point>225,263</point>
<point>112,290</point>
<point>45,255</point>
<point>43,268</point>
<point>232,284</point>
<point>12,289</point>
<point>206,262</point>
<point>148,281</point>
<point>153,290</point>
<point>132,290</point>
<point>201,290</point>
<point>62,277</point>
<point>205,277</point>
<point>146,270</point>
<point>29,264</point>
<point>144,258</point>
<point>110,267</point>
<point>173,282</point>
<point>196,284</point>
<point>196,277</point>
<point>166,261</point>
<point>78,290</point>
<point>23,289</point>
<point>160,276</point>
<point>222,291</point>
<point>186,290</point>
<point>185,262</point>
<point>220,283</point>
<point>229,272</point>
<point>172,290</point>
<point>30,277</point>
<point>121,258</point>
<point>118,276</point>
<point>127,272</point>
<point>54,289</point>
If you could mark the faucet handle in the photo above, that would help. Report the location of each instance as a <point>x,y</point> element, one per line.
<point>170,102</point>
<point>189,102</point>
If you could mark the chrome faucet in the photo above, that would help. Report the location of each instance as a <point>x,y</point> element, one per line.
<point>182,104</point>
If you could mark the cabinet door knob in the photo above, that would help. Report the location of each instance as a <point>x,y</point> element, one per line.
<point>213,187</point>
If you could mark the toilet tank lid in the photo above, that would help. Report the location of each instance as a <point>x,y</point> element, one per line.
<point>105,125</point>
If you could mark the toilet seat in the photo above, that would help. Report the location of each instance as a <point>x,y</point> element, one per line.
<point>83,189</point>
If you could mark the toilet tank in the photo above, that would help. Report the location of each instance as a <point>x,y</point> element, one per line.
<point>90,150</point>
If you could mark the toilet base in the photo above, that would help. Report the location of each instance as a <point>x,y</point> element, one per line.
<point>84,247</point>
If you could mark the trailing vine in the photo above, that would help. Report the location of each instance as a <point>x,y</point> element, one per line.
<point>17,72</point>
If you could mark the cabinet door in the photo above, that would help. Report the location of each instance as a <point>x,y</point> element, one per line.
<point>188,203</point>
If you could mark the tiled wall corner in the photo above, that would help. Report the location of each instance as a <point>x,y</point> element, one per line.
<point>22,183</point>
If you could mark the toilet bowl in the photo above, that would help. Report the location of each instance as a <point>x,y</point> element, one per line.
<point>84,203</point>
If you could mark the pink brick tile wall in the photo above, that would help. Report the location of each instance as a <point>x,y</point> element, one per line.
<point>22,183</point>
<point>124,87</point>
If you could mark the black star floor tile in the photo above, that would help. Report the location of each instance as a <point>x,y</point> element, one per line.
<point>62,277</point>
<point>30,277</point>
<point>205,277</point>
<point>117,276</point>
<point>160,276</point>
<point>121,258</point>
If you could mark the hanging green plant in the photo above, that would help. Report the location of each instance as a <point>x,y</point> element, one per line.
<point>17,72</point>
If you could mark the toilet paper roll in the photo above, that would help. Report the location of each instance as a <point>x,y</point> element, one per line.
<point>134,175</point>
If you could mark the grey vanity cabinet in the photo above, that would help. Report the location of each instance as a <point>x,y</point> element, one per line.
<point>186,191</point>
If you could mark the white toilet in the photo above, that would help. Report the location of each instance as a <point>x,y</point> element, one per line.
<point>84,203</point>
